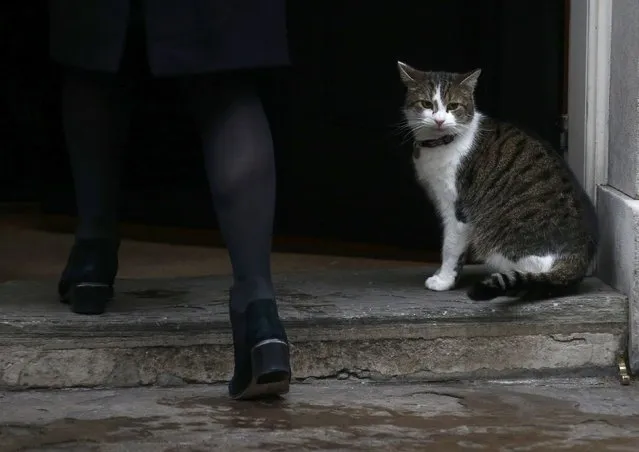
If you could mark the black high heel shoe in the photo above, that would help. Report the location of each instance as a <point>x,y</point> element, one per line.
<point>262,359</point>
<point>87,280</point>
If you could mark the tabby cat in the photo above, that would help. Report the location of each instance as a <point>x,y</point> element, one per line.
<point>508,197</point>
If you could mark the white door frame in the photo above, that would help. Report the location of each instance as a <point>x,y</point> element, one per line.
<point>588,90</point>
<point>588,110</point>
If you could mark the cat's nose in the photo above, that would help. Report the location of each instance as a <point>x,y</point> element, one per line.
<point>439,122</point>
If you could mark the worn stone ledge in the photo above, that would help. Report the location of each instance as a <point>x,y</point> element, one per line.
<point>378,359</point>
<point>378,324</point>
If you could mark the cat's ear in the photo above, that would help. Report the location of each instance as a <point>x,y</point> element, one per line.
<point>407,74</point>
<point>470,78</point>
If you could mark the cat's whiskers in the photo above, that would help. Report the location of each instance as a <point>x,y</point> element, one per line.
<point>408,130</point>
<point>404,131</point>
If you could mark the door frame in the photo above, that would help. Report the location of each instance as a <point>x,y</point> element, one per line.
<point>588,90</point>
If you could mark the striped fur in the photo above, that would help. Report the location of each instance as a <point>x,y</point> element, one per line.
<point>503,194</point>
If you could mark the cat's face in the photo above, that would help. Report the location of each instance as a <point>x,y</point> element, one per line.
<point>438,103</point>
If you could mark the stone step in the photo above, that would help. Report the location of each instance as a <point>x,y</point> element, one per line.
<point>377,324</point>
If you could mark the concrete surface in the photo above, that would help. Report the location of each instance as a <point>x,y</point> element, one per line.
<point>369,324</point>
<point>619,256</point>
<point>623,151</point>
<point>618,205</point>
<point>578,415</point>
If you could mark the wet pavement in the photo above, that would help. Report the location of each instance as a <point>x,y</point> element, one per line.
<point>586,415</point>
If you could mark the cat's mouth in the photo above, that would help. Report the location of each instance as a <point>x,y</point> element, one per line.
<point>428,132</point>
<point>429,124</point>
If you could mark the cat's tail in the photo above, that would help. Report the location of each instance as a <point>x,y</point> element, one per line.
<point>565,274</point>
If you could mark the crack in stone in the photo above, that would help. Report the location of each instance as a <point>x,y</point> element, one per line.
<point>343,374</point>
<point>438,393</point>
<point>566,340</point>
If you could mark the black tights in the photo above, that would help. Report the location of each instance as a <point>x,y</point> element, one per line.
<point>238,154</point>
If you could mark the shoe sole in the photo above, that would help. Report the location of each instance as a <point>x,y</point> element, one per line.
<point>88,298</point>
<point>270,369</point>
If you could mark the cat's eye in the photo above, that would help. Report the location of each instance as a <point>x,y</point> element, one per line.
<point>453,106</point>
<point>426,104</point>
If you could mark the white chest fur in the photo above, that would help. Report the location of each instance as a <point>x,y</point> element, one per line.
<point>436,170</point>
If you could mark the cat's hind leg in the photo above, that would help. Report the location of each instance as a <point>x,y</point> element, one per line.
<point>456,240</point>
<point>535,276</point>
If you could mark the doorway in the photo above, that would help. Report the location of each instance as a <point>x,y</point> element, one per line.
<point>344,172</point>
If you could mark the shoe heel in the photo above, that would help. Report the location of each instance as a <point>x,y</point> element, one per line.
<point>271,370</point>
<point>89,298</point>
<point>271,361</point>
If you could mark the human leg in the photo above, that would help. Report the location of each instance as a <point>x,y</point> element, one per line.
<point>96,111</point>
<point>240,164</point>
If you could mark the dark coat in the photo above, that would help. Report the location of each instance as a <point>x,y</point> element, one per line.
<point>182,36</point>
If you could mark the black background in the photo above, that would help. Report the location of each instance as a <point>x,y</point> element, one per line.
<point>343,172</point>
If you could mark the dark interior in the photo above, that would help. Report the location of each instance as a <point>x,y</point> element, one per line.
<point>344,172</point>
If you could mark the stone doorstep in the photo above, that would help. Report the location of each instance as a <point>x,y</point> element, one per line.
<point>378,324</point>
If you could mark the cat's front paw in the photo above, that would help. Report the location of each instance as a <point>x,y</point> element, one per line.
<point>440,281</point>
